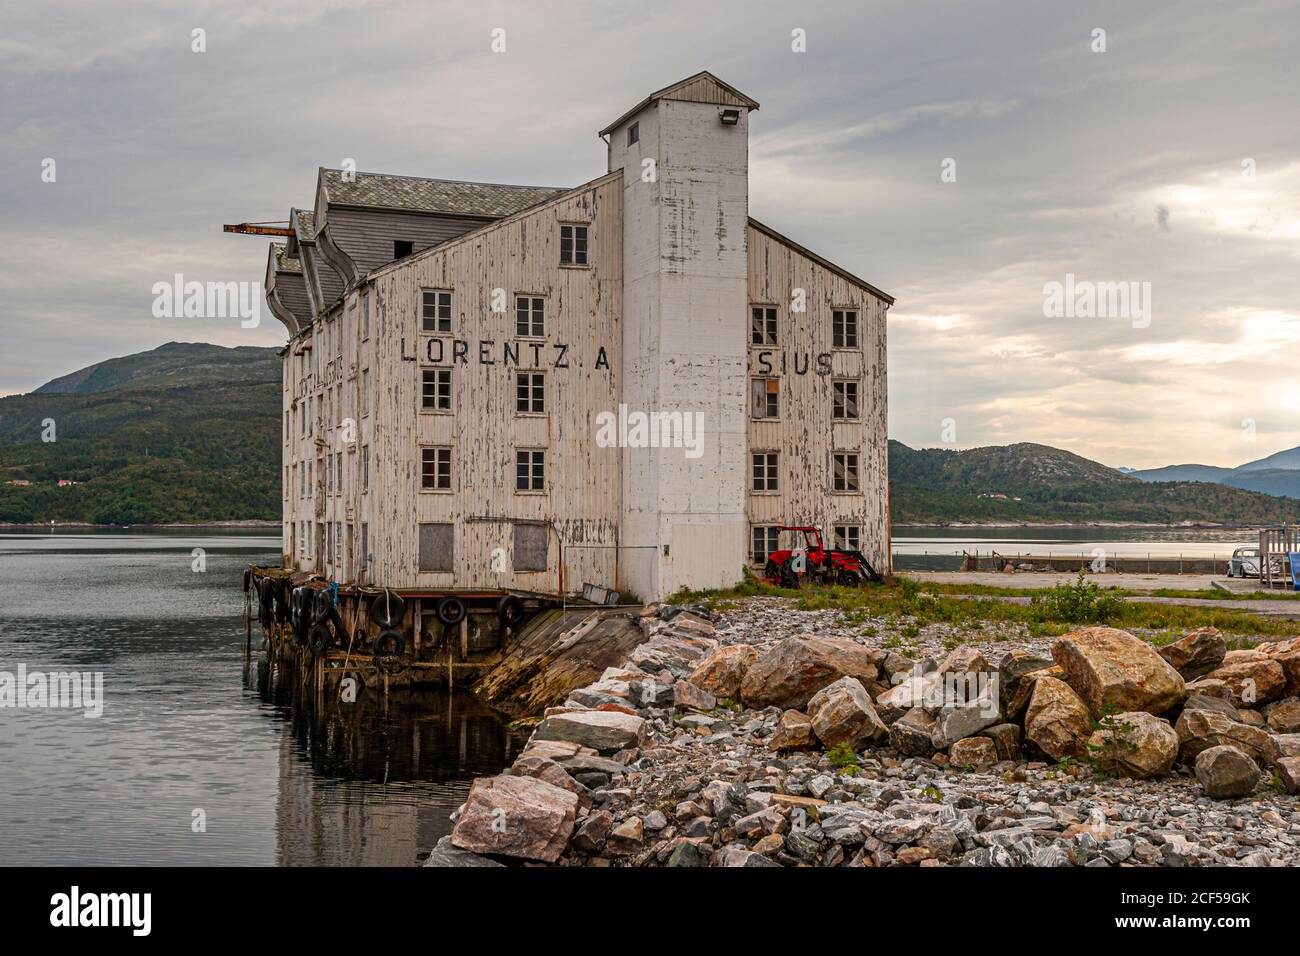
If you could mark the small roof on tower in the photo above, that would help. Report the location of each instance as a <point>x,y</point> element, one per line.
<point>703,87</point>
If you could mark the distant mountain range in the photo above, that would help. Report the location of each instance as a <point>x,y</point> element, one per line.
<point>187,432</point>
<point>190,432</point>
<point>982,485</point>
<point>1278,474</point>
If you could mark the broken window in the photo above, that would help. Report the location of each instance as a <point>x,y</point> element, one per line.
<point>844,328</point>
<point>762,325</point>
<point>436,547</point>
<point>402,248</point>
<point>765,394</point>
<point>845,471</point>
<point>435,469</point>
<point>435,389</point>
<point>530,470</point>
<point>633,133</point>
<point>573,245</point>
<point>766,540</point>
<point>845,400</point>
<point>530,315</point>
<point>530,393</point>
<point>848,537</point>
<point>531,547</point>
<point>435,310</point>
<point>765,471</point>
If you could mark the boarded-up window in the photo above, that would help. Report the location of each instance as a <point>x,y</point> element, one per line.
<point>435,547</point>
<point>531,544</point>
<point>765,397</point>
<point>762,325</point>
<point>844,476</point>
<point>845,400</point>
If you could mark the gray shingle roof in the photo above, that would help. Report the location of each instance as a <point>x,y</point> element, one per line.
<point>286,263</point>
<point>489,200</point>
<point>305,223</point>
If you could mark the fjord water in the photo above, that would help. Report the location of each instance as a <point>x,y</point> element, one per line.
<point>189,725</point>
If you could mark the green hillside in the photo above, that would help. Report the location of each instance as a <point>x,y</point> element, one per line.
<point>936,485</point>
<point>183,433</point>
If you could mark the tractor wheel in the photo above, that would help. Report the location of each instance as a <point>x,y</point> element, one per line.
<point>847,578</point>
<point>771,570</point>
<point>789,579</point>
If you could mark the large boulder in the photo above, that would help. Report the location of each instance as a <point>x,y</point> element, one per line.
<point>841,713</point>
<point>911,733</point>
<point>1016,675</point>
<point>1225,772</point>
<point>1288,772</point>
<point>1284,716</point>
<point>1252,682</point>
<point>1196,654</point>
<point>794,670</point>
<point>915,692</point>
<point>794,731</point>
<point>964,719</point>
<point>1200,730</point>
<point>977,753</point>
<point>1113,671</point>
<point>516,816</point>
<point>606,732</point>
<point>722,671</point>
<point>445,854</point>
<point>1057,721</point>
<point>1135,744</point>
<point>963,660</point>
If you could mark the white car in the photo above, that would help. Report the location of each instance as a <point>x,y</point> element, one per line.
<point>1244,563</point>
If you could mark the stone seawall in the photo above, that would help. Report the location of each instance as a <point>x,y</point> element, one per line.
<point>765,736</point>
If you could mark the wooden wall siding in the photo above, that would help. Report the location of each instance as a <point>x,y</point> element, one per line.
<point>366,235</point>
<point>582,501</point>
<point>291,290</point>
<point>704,90</point>
<point>805,434</point>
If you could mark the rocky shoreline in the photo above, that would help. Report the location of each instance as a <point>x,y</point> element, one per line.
<point>765,736</point>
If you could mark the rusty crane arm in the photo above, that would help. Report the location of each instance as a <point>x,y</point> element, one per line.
<point>259,228</point>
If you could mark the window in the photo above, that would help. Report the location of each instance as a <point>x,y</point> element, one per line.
<point>364,557</point>
<point>365,392</point>
<point>530,470</point>
<point>435,389</point>
<point>765,471</point>
<point>765,395</point>
<point>848,537</point>
<point>365,468</point>
<point>844,328</point>
<point>530,315</point>
<point>530,393</point>
<point>435,469</point>
<point>402,248</point>
<point>435,311</point>
<point>531,547</point>
<point>365,316</point>
<point>762,325</point>
<point>338,472</point>
<point>766,540</point>
<point>573,245</point>
<point>436,541</point>
<point>634,133</point>
<point>845,471</point>
<point>845,396</point>
<point>329,540</point>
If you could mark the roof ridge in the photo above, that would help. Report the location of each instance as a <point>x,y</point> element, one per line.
<point>436,179</point>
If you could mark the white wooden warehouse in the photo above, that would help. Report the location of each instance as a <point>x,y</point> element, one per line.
<point>469,364</point>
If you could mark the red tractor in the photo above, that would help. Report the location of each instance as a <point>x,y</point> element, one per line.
<point>813,561</point>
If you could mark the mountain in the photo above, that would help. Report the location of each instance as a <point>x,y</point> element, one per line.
<point>1278,474</point>
<point>187,432</point>
<point>935,485</point>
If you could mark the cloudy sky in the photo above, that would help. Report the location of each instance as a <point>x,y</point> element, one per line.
<point>1172,158</point>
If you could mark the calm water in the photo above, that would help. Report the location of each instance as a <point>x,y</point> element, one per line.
<point>189,725</point>
<point>942,548</point>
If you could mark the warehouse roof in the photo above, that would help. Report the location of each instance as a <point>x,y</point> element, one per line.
<point>445,196</point>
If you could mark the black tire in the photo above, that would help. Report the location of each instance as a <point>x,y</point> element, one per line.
<point>321,638</point>
<point>771,570</point>
<point>510,611</point>
<point>847,578</point>
<point>451,610</point>
<point>322,604</point>
<point>388,643</point>
<point>387,609</point>
<point>283,597</point>
<point>265,600</point>
<point>789,579</point>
